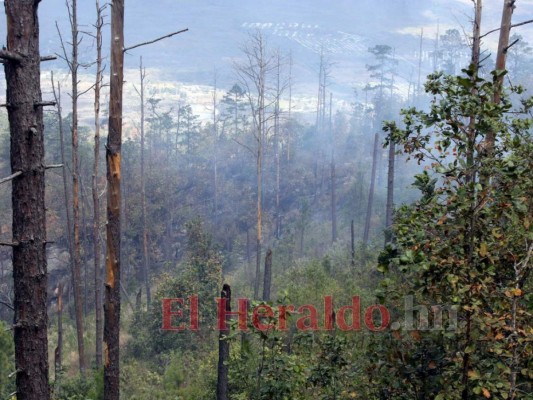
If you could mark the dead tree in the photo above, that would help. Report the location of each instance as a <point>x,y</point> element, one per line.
<point>98,282</point>
<point>146,255</point>
<point>267,282</point>
<point>73,66</point>
<point>253,74</point>
<point>223,348</point>
<point>57,97</point>
<point>113,227</point>
<point>21,60</point>
<point>370,203</point>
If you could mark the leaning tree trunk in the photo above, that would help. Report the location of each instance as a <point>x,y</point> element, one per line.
<point>113,229</point>
<point>23,97</point>
<point>223,349</point>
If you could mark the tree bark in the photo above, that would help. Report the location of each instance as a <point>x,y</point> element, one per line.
<point>223,349</point>
<point>267,282</point>
<point>501,59</point>
<point>370,203</point>
<point>98,283</point>
<point>113,229</point>
<point>28,199</point>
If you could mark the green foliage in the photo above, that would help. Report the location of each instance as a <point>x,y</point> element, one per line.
<point>77,388</point>
<point>199,274</point>
<point>466,243</point>
<point>7,361</point>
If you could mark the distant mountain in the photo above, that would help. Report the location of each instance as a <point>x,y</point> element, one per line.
<point>345,29</point>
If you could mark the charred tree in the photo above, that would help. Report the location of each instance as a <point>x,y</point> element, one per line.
<point>113,228</point>
<point>267,282</point>
<point>24,106</point>
<point>98,282</point>
<point>223,348</point>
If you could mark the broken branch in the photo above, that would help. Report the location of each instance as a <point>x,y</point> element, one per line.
<point>10,56</point>
<point>10,177</point>
<point>155,40</point>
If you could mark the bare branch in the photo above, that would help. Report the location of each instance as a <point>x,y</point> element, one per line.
<point>8,306</point>
<point>44,103</point>
<point>63,47</point>
<point>529,21</point>
<point>48,58</point>
<point>511,45</point>
<point>53,166</point>
<point>14,244</point>
<point>155,40</point>
<point>10,177</point>
<point>245,146</point>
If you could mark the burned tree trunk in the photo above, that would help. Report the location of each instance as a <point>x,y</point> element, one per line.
<point>371,190</point>
<point>223,349</point>
<point>113,229</point>
<point>98,284</point>
<point>24,106</point>
<point>267,282</point>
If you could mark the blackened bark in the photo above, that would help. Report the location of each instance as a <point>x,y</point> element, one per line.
<point>28,200</point>
<point>267,281</point>
<point>98,282</point>
<point>113,149</point>
<point>223,349</point>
